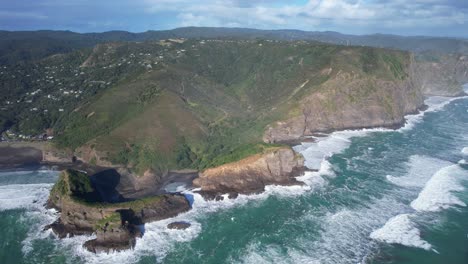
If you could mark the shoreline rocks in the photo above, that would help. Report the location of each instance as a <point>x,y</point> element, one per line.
<point>342,104</point>
<point>179,225</point>
<point>278,165</point>
<point>116,225</point>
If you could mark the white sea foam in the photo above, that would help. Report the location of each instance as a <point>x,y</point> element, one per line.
<point>316,152</point>
<point>400,230</point>
<point>421,168</point>
<point>438,191</point>
<point>465,151</point>
<point>259,254</point>
<point>158,240</point>
<point>343,237</point>
<point>434,104</point>
<point>23,196</point>
<point>318,179</point>
<point>31,197</point>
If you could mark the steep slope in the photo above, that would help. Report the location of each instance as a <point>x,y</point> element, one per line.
<point>273,166</point>
<point>173,104</point>
<point>441,74</point>
<point>376,94</point>
<point>208,102</point>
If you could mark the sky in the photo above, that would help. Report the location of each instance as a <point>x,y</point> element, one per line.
<point>402,17</point>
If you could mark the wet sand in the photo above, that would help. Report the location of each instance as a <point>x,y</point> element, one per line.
<point>21,156</point>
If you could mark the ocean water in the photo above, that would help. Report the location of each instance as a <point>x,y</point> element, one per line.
<point>378,196</point>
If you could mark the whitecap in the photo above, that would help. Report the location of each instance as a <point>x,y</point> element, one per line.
<point>400,230</point>
<point>434,104</point>
<point>421,168</point>
<point>464,151</point>
<point>438,191</point>
<point>323,147</point>
<point>159,240</point>
<point>23,196</point>
<point>31,197</point>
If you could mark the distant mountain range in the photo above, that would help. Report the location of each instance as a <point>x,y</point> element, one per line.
<point>29,45</point>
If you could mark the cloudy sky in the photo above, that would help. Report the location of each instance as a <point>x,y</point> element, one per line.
<point>404,17</point>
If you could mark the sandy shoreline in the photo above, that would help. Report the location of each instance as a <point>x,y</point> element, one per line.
<point>30,156</point>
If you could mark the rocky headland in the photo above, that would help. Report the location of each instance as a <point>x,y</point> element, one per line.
<point>85,210</point>
<point>278,165</point>
<point>98,204</point>
<point>191,109</point>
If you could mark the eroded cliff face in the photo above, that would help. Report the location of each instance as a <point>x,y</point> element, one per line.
<point>250,175</point>
<point>116,225</point>
<point>443,75</point>
<point>346,101</point>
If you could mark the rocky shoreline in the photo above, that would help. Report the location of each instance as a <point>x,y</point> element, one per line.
<point>83,211</point>
<point>86,205</point>
<point>97,200</point>
<point>278,165</point>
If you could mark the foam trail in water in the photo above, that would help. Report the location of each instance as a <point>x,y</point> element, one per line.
<point>23,196</point>
<point>438,191</point>
<point>31,197</point>
<point>316,152</point>
<point>159,240</point>
<point>421,168</point>
<point>400,230</point>
<point>434,104</point>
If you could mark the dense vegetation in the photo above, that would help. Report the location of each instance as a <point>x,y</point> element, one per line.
<point>32,45</point>
<point>76,185</point>
<point>176,103</point>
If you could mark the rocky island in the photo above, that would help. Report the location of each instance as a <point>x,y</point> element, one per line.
<point>83,210</point>
<point>216,114</point>
<point>88,204</point>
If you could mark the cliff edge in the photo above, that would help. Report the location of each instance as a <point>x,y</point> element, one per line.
<point>278,165</point>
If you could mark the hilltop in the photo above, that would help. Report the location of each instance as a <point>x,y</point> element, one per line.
<point>216,112</point>
<point>32,45</point>
<point>198,103</point>
<point>179,103</point>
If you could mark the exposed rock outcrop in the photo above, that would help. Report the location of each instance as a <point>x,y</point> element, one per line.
<point>443,75</point>
<point>349,101</point>
<point>250,175</point>
<point>116,225</point>
<point>352,99</point>
<point>178,225</point>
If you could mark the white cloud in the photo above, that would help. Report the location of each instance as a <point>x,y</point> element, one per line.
<point>335,13</point>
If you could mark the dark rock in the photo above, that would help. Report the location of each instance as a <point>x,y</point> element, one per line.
<point>178,225</point>
<point>116,225</point>
<point>108,246</point>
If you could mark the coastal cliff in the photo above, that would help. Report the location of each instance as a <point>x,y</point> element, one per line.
<point>351,100</point>
<point>116,225</point>
<point>441,75</point>
<point>250,175</point>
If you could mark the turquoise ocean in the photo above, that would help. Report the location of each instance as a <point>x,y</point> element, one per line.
<point>376,196</point>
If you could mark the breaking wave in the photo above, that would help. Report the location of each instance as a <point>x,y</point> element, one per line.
<point>400,230</point>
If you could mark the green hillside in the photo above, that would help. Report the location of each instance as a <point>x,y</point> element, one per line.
<point>179,104</point>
